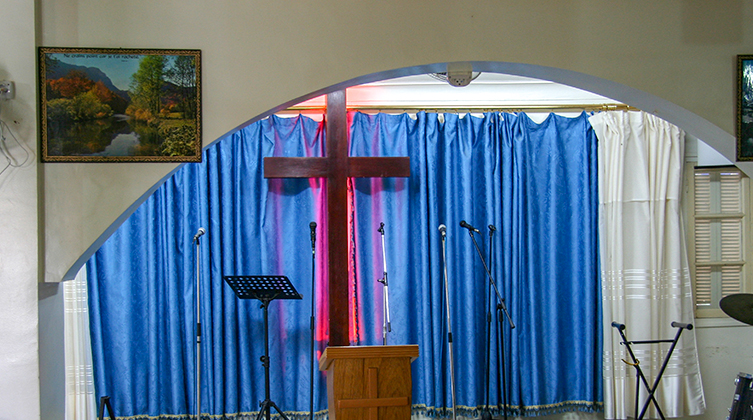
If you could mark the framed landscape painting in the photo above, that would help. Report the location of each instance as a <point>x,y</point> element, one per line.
<point>120,105</point>
<point>745,107</point>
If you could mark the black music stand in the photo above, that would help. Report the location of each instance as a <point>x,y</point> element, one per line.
<point>265,289</point>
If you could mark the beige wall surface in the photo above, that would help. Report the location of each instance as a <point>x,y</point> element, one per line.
<point>19,244</point>
<point>258,55</point>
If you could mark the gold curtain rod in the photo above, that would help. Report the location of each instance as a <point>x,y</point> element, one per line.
<point>511,108</point>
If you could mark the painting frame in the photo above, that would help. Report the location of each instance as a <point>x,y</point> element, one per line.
<point>744,126</point>
<point>119,104</point>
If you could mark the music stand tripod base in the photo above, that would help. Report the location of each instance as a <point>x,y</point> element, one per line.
<point>265,289</point>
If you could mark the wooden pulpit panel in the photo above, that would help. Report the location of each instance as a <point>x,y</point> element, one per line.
<point>369,382</point>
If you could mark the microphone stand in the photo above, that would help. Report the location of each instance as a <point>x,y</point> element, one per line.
<point>501,371</point>
<point>486,414</point>
<point>503,375</point>
<point>198,323</point>
<point>386,326</point>
<point>500,307</point>
<point>312,225</point>
<point>449,324</point>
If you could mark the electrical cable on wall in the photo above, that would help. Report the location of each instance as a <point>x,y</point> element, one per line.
<point>11,161</point>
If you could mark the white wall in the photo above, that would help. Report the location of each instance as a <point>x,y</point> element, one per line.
<point>724,350</point>
<point>675,58</point>
<point>19,254</point>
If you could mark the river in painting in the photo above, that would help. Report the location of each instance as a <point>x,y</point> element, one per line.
<point>118,135</point>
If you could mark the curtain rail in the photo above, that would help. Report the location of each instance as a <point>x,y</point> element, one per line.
<point>511,108</point>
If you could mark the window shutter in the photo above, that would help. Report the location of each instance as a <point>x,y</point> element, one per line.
<point>718,234</point>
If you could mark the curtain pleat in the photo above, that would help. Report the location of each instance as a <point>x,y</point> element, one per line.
<point>645,272</point>
<point>551,261</point>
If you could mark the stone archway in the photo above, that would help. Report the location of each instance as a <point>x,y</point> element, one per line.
<point>694,125</point>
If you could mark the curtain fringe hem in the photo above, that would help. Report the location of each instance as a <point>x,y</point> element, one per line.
<point>432,412</point>
<point>542,410</point>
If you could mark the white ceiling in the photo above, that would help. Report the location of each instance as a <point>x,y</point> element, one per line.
<point>488,90</point>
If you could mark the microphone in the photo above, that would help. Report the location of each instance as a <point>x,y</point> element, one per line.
<point>492,228</point>
<point>381,228</point>
<point>199,233</point>
<point>443,230</point>
<point>312,225</point>
<point>467,226</point>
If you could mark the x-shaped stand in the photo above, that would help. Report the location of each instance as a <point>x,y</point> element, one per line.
<point>637,364</point>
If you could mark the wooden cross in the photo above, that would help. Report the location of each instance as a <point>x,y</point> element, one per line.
<point>337,167</point>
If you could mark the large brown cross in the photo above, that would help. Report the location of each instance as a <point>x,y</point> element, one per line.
<point>337,167</point>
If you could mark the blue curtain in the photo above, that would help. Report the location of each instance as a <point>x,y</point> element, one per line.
<point>535,182</point>
<point>142,281</point>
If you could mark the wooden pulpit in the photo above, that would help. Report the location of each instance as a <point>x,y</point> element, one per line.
<point>369,382</point>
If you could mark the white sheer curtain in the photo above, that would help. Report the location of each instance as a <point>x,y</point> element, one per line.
<point>80,401</point>
<point>645,275</point>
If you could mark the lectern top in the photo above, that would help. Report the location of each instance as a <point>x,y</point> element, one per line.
<point>332,353</point>
<point>262,287</point>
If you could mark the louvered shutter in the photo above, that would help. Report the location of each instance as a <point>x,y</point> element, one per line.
<point>718,234</point>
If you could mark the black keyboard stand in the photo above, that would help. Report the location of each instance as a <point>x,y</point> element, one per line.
<point>640,377</point>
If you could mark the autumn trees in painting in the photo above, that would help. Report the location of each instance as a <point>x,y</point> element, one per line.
<point>120,105</point>
<point>164,93</point>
